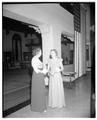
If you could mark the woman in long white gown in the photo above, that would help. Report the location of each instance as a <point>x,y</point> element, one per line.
<point>56,91</point>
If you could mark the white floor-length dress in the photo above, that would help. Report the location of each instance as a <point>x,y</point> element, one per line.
<point>56,91</point>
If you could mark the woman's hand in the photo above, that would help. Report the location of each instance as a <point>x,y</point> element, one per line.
<point>51,73</point>
<point>44,71</point>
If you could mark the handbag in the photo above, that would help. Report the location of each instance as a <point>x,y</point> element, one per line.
<point>46,80</point>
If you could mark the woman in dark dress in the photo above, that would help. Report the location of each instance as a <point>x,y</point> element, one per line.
<point>38,98</point>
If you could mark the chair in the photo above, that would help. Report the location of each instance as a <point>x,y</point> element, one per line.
<point>69,76</point>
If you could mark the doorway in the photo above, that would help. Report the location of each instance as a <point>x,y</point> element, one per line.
<point>17,47</point>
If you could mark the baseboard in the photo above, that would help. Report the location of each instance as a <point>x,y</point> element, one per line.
<point>15,108</point>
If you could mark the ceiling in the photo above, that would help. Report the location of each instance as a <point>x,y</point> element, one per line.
<point>67,6</point>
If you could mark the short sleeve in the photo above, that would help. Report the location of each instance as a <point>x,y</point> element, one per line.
<point>61,61</point>
<point>33,62</point>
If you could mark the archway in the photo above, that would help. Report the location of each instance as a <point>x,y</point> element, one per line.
<point>17,47</point>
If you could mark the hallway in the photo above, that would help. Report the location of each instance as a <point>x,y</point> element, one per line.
<point>77,103</point>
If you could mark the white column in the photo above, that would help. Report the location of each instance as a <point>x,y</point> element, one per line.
<point>57,40</point>
<point>88,33</point>
<point>83,39</point>
<point>76,54</point>
<point>89,55</point>
<point>80,56</point>
<point>80,50</point>
<point>47,41</point>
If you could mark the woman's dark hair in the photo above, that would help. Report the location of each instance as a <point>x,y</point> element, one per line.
<point>35,51</point>
<point>54,51</point>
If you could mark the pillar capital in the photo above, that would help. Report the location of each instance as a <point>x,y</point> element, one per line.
<point>45,28</point>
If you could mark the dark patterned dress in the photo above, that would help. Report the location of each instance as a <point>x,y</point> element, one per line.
<point>38,98</point>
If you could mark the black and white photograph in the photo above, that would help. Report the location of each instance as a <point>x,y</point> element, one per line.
<point>48,59</point>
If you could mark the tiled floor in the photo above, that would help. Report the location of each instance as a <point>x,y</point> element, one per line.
<point>77,103</point>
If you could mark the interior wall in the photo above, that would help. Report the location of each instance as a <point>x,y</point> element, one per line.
<point>7,40</point>
<point>66,51</point>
